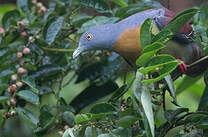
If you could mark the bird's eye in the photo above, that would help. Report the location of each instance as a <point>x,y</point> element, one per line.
<point>88,36</point>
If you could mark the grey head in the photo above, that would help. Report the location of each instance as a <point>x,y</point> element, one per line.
<point>97,38</point>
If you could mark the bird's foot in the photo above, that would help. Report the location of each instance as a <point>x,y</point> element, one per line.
<point>182,66</point>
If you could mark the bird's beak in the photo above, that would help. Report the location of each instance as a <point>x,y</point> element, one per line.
<point>77,52</point>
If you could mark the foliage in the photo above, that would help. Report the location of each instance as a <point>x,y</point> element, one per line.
<point>36,49</point>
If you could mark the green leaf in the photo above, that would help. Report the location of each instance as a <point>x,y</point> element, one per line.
<point>102,108</point>
<point>90,94</point>
<point>167,68</point>
<point>207,32</point>
<point>137,85</point>
<point>24,6</point>
<point>28,117</point>
<point>68,133</point>
<point>119,92</point>
<point>79,19</point>
<point>98,20</point>
<point>2,112</point>
<point>121,3</point>
<point>178,22</point>
<point>131,9</point>
<point>163,36</point>
<point>68,118</point>
<point>203,105</point>
<point>29,96</point>
<point>147,106</point>
<point>203,124</point>
<point>146,33</point>
<point>10,19</point>
<point>98,5</point>
<point>52,28</point>
<point>3,99</point>
<point>81,118</point>
<point>31,83</point>
<point>171,86</point>
<point>127,121</point>
<point>158,62</point>
<point>6,73</point>
<point>47,117</point>
<point>148,52</point>
<point>154,46</point>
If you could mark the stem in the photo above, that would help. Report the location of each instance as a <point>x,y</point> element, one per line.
<point>58,50</point>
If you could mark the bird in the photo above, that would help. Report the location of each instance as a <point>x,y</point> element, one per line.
<point>123,38</point>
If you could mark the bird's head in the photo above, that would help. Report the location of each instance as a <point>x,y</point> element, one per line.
<point>97,38</point>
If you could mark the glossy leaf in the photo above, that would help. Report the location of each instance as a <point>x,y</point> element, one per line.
<point>148,52</point>
<point>95,4</point>
<point>146,33</point>
<point>119,93</point>
<point>28,117</point>
<point>31,83</point>
<point>24,6</point>
<point>136,7</point>
<point>203,105</point>
<point>127,121</point>
<point>147,106</point>
<point>121,3</point>
<point>80,118</point>
<point>174,26</point>
<point>98,20</point>
<point>29,96</point>
<point>171,86</point>
<point>10,19</point>
<point>6,73</point>
<point>52,28</point>
<point>3,99</point>
<point>102,108</point>
<point>47,117</point>
<point>91,94</point>
<point>79,19</point>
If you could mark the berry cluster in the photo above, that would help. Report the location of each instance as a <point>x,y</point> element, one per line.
<point>41,9</point>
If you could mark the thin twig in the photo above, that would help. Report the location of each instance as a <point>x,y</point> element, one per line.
<point>58,50</point>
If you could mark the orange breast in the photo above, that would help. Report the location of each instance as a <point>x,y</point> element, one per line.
<point>128,45</point>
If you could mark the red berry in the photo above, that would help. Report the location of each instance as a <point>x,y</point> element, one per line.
<point>23,34</point>
<point>1,30</point>
<point>19,84</point>
<point>26,50</point>
<point>19,54</point>
<point>13,101</point>
<point>21,70</point>
<point>21,23</point>
<point>12,88</point>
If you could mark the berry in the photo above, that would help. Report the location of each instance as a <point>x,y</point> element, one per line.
<point>12,88</point>
<point>1,30</point>
<point>23,34</point>
<point>26,50</point>
<point>13,101</point>
<point>13,112</point>
<point>21,70</point>
<point>34,1</point>
<point>39,4</point>
<point>21,23</point>
<point>31,39</point>
<point>19,84</point>
<point>14,77</point>
<point>19,54</point>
